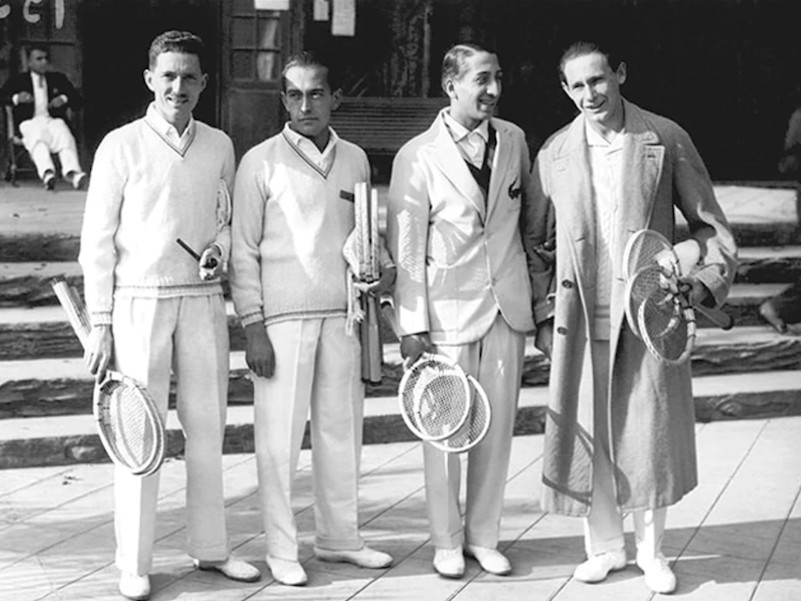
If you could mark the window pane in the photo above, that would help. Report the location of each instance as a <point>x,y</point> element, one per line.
<point>244,7</point>
<point>244,33</point>
<point>267,66</point>
<point>243,65</point>
<point>268,34</point>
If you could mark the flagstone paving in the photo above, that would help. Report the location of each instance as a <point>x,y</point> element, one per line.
<point>736,537</point>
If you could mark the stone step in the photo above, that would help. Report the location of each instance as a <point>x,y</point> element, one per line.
<point>761,214</point>
<point>43,331</point>
<point>41,227</point>
<point>28,283</point>
<point>743,303</point>
<point>42,387</point>
<point>769,264</point>
<point>48,441</point>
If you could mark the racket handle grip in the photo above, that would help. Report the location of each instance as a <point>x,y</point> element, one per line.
<point>717,316</point>
<point>73,306</point>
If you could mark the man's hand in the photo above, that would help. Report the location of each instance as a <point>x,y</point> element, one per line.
<point>259,354</point>
<point>382,285</point>
<point>414,345</point>
<point>543,339</point>
<point>696,293</point>
<point>57,102</point>
<point>210,262</point>
<point>24,98</point>
<point>99,346</point>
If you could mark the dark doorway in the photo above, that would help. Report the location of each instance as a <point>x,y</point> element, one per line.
<point>116,35</point>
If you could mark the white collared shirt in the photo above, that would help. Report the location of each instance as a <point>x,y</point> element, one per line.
<point>181,141</point>
<point>606,166</point>
<point>309,149</point>
<point>39,94</point>
<point>470,143</point>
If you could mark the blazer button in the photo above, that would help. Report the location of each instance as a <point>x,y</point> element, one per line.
<point>561,330</point>
<point>567,284</point>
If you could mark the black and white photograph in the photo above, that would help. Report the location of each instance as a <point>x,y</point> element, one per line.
<point>400,300</point>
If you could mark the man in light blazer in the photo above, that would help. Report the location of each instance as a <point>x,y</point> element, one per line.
<point>462,287</point>
<point>619,435</point>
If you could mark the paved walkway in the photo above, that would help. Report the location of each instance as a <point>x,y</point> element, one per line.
<point>737,537</point>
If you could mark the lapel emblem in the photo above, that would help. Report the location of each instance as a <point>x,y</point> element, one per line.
<point>514,192</point>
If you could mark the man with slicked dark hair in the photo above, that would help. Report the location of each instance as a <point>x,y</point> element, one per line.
<point>455,199</point>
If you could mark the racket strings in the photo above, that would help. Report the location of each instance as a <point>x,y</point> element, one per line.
<point>437,399</point>
<point>475,426</point>
<point>128,426</point>
<point>667,327</point>
<point>646,250</point>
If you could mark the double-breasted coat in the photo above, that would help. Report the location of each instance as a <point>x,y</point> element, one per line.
<point>651,411</point>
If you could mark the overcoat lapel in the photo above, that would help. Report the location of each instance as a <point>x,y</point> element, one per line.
<point>449,161</point>
<point>643,157</point>
<point>572,172</point>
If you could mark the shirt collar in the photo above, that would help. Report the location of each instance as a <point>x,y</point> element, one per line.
<point>306,145</point>
<point>163,127</point>
<point>596,139</point>
<point>460,132</point>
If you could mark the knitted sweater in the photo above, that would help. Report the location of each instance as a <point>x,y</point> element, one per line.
<point>143,195</point>
<point>289,226</point>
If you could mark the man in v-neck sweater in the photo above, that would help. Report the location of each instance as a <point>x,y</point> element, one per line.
<point>293,212</point>
<point>155,307</point>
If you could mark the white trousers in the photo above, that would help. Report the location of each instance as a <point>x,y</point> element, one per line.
<point>603,528</point>
<point>317,369</point>
<point>190,335</point>
<point>496,361</point>
<point>43,136</point>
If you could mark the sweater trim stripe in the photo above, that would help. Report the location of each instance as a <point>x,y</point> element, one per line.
<point>168,142</point>
<point>307,314</point>
<point>300,153</point>
<point>168,290</point>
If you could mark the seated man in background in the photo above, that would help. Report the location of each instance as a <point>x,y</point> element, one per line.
<point>40,99</point>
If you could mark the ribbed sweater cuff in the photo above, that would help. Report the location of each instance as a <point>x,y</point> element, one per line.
<point>101,318</point>
<point>252,318</point>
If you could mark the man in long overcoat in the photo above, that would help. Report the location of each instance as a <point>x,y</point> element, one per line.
<point>620,428</point>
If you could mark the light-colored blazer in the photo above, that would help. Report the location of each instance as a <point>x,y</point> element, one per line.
<point>460,259</point>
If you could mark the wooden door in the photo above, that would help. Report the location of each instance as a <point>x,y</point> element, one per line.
<point>256,44</point>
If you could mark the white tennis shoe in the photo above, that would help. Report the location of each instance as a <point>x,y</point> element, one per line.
<point>597,567</point>
<point>135,586</point>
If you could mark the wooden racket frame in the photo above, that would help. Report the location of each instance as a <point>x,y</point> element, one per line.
<point>78,318</point>
<point>409,414</point>
<point>682,311</point>
<point>715,315</point>
<point>368,260</point>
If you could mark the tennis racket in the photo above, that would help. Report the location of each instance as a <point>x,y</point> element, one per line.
<point>666,321</point>
<point>367,270</point>
<point>128,422</point>
<point>648,248</point>
<point>474,428</point>
<point>434,397</point>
